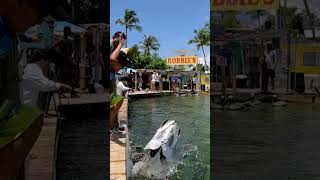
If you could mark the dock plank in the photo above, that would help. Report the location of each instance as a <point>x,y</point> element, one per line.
<point>118,148</point>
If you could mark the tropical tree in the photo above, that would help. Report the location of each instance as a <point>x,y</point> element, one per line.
<point>229,19</point>
<point>130,21</point>
<point>306,5</point>
<point>156,63</point>
<point>201,39</point>
<point>149,43</point>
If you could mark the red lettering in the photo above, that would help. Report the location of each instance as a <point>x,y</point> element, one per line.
<point>268,2</point>
<point>231,2</point>
<point>169,60</point>
<point>217,2</point>
<point>182,60</point>
<point>242,2</point>
<point>194,60</point>
<point>253,2</point>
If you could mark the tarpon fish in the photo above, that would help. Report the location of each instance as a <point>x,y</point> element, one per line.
<point>160,147</point>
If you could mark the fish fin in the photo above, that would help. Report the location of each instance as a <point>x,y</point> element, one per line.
<point>179,132</point>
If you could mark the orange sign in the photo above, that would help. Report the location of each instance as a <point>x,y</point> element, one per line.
<point>230,5</point>
<point>182,60</point>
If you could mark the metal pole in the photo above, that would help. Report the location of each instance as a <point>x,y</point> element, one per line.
<point>233,77</point>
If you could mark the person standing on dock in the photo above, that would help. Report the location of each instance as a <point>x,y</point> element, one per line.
<point>35,80</point>
<point>153,81</point>
<point>157,81</point>
<point>194,82</point>
<point>116,44</point>
<point>270,58</point>
<point>121,88</point>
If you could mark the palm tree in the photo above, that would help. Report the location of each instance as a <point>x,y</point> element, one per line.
<point>201,39</point>
<point>149,43</point>
<point>130,21</point>
<point>310,18</point>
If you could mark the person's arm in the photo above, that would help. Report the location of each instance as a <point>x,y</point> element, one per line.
<point>123,87</point>
<point>41,82</point>
<point>114,55</point>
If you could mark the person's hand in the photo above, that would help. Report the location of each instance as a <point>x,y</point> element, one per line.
<point>65,87</point>
<point>121,39</point>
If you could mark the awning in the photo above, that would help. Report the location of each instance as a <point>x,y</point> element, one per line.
<point>59,28</point>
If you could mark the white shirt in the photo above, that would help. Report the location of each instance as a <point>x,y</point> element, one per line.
<point>33,82</point>
<point>154,76</point>
<point>157,77</point>
<point>195,80</point>
<point>270,59</point>
<point>121,88</point>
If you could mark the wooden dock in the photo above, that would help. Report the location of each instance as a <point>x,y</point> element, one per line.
<point>41,158</point>
<point>41,161</point>
<point>118,148</point>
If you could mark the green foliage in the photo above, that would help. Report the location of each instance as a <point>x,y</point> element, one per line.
<point>130,21</point>
<point>144,61</point>
<point>89,11</point>
<point>230,19</point>
<point>182,67</point>
<point>149,43</point>
<point>201,39</point>
<point>156,63</point>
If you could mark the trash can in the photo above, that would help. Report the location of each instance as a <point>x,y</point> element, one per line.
<point>297,82</point>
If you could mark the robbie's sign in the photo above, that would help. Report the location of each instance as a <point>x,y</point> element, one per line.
<point>228,5</point>
<point>182,60</point>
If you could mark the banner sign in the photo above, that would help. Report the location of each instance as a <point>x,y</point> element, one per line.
<point>233,5</point>
<point>182,60</point>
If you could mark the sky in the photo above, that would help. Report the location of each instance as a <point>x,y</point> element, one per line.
<point>172,22</point>
<point>314,6</point>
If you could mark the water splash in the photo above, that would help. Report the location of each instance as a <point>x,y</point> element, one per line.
<point>185,157</point>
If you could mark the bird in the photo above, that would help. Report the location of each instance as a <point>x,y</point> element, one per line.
<point>278,103</point>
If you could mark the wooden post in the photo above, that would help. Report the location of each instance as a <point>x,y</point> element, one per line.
<point>135,81</point>
<point>234,85</point>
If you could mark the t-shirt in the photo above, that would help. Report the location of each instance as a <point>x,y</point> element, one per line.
<point>157,77</point>
<point>120,88</point>
<point>154,77</point>
<point>271,59</point>
<point>33,82</point>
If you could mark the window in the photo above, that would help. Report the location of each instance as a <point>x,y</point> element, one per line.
<point>311,59</point>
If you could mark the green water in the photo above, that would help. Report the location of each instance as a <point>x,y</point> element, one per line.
<point>192,114</point>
